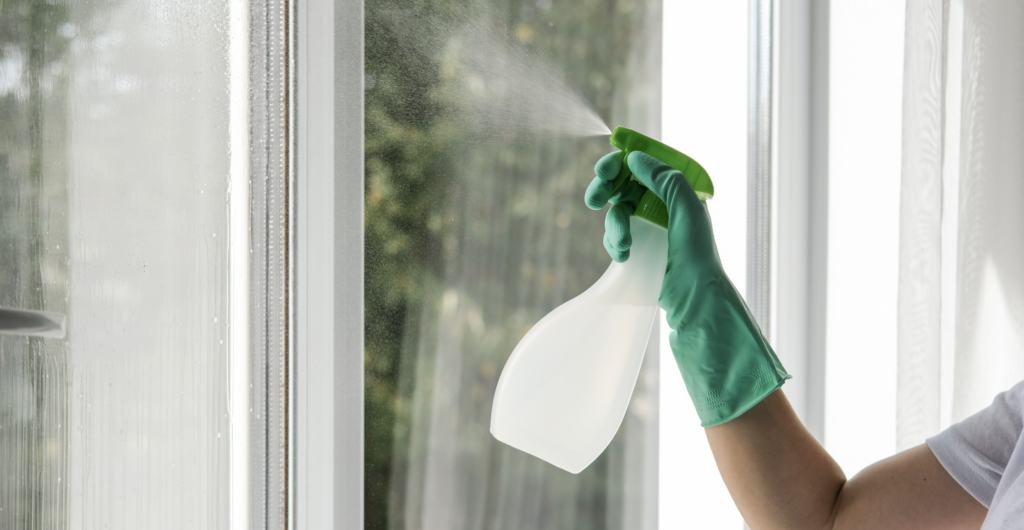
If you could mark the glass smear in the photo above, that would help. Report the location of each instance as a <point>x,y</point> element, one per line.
<point>113,199</point>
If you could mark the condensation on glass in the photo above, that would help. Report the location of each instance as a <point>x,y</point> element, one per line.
<point>477,156</point>
<point>113,204</point>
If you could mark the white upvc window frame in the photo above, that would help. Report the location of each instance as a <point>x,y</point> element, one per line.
<point>326,472</point>
<point>799,196</point>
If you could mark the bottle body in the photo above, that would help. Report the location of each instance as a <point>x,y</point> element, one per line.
<point>564,391</point>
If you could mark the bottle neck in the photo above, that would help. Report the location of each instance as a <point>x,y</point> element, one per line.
<point>652,209</point>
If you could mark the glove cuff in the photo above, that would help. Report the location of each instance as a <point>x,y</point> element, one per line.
<point>713,409</point>
<point>725,361</point>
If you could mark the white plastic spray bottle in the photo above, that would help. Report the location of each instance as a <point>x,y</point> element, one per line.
<point>564,391</point>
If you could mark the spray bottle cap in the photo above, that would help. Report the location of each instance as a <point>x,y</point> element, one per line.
<point>651,207</point>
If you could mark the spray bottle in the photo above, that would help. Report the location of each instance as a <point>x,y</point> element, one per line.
<point>564,391</point>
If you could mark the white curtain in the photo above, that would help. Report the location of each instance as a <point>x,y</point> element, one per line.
<point>961,279</point>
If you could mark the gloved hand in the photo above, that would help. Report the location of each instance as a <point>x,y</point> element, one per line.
<point>726,363</point>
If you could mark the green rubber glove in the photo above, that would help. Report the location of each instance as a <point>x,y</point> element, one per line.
<point>727,364</point>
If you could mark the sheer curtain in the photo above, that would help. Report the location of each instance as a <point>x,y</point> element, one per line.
<point>961,288</point>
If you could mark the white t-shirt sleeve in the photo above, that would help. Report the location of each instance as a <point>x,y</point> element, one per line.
<point>978,451</point>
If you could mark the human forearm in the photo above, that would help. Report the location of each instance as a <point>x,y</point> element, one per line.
<point>777,473</point>
<point>781,477</point>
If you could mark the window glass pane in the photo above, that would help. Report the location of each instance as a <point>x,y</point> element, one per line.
<point>863,251</point>
<point>33,261</point>
<point>479,145</point>
<point>113,195</point>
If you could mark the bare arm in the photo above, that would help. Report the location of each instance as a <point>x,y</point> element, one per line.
<point>781,478</point>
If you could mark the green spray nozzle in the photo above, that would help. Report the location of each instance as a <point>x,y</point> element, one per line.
<point>650,207</point>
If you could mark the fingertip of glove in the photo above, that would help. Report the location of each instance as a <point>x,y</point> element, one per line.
<point>597,195</point>
<point>661,178</point>
<point>644,167</point>
<point>616,229</point>
<point>617,240</point>
<point>638,160</point>
<point>596,202</point>
<point>618,256</point>
<point>609,166</point>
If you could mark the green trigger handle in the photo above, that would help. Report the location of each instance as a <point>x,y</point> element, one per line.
<point>651,207</point>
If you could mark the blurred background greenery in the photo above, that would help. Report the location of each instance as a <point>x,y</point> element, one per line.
<point>474,231</point>
<point>34,44</point>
